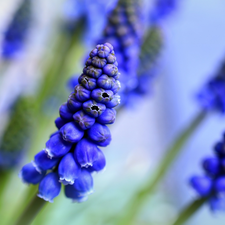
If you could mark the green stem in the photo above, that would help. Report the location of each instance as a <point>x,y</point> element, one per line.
<point>31,211</point>
<point>189,211</point>
<point>29,194</point>
<point>5,176</point>
<point>139,197</point>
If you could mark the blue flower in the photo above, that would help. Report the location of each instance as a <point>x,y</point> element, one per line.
<point>212,95</point>
<point>43,163</point>
<point>29,174</point>
<point>212,184</point>
<point>68,169</point>
<point>72,152</point>
<point>15,35</point>
<point>49,187</point>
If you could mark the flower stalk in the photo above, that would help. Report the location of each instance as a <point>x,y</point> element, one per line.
<point>31,211</point>
<point>189,211</point>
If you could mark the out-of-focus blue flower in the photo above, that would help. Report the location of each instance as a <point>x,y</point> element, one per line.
<point>93,14</point>
<point>16,33</point>
<point>72,153</point>
<point>16,138</point>
<point>124,30</point>
<point>212,95</point>
<point>163,8</point>
<point>212,184</point>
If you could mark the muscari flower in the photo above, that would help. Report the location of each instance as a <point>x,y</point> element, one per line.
<point>124,30</point>
<point>212,95</point>
<point>15,140</point>
<point>16,33</point>
<point>212,184</point>
<point>72,153</point>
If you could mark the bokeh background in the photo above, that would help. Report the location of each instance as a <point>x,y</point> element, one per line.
<point>193,49</point>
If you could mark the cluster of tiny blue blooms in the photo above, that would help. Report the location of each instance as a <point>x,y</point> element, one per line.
<point>212,95</point>
<point>163,8</point>
<point>15,35</point>
<point>72,153</point>
<point>212,184</point>
<point>124,30</point>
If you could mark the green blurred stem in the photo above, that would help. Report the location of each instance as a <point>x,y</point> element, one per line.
<point>26,198</point>
<point>4,177</point>
<point>138,198</point>
<point>31,211</point>
<point>189,211</point>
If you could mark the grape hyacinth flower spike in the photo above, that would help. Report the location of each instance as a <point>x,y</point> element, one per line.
<point>124,29</point>
<point>72,153</point>
<point>212,184</point>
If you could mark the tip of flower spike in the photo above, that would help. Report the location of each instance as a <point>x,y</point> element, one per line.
<point>45,198</point>
<point>66,181</point>
<point>48,152</point>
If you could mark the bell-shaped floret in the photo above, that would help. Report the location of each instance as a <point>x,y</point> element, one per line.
<point>100,134</point>
<point>84,183</point>
<point>202,184</point>
<point>98,164</point>
<point>43,163</point>
<point>107,117</point>
<point>30,175</point>
<point>49,187</point>
<point>85,121</point>
<point>68,169</point>
<point>57,147</point>
<point>211,165</point>
<point>93,108</point>
<point>73,104</point>
<point>72,193</point>
<point>71,132</point>
<point>86,152</point>
<point>65,113</point>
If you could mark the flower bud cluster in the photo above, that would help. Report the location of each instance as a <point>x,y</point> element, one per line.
<point>72,153</point>
<point>16,32</point>
<point>212,184</point>
<point>16,138</point>
<point>212,95</point>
